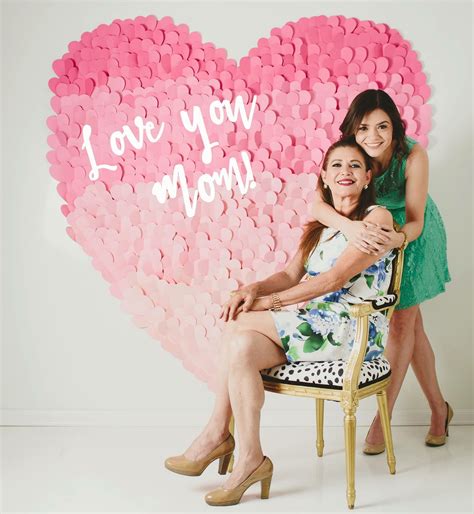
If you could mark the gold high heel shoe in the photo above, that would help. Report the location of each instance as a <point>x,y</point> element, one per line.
<point>439,440</point>
<point>264,473</point>
<point>183,466</point>
<point>373,449</point>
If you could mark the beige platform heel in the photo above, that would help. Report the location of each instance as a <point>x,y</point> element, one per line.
<point>183,466</point>
<point>263,474</point>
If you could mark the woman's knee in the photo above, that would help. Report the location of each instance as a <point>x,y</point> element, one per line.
<point>231,326</point>
<point>419,322</point>
<point>231,330</point>
<point>403,322</point>
<point>234,326</point>
<point>241,348</point>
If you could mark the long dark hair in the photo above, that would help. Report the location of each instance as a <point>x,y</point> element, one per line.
<point>365,103</point>
<point>313,229</point>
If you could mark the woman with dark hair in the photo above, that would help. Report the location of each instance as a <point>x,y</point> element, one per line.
<point>339,274</point>
<point>401,184</point>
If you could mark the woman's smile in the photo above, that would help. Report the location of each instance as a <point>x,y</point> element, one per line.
<point>346,182</point>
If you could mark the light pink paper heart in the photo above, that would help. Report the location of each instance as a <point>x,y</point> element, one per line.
<point>172,271</point>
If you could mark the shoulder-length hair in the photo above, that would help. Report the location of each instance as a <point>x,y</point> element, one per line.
<point>313,229</point>
<point>365,103</point>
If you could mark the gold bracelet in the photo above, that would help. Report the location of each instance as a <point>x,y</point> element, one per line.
<point>276,302</point>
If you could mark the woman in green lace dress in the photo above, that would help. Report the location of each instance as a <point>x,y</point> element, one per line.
<point>401,183</point>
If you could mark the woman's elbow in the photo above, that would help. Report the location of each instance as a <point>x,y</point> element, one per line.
<point>313,210</point>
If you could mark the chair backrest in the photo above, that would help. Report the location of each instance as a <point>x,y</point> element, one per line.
<point>395,280</point>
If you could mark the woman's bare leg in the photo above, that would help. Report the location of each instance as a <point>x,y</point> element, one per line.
<point>399,352</point>
<point>217,428</point>
<point>423,365</point>
<point>250,352</point>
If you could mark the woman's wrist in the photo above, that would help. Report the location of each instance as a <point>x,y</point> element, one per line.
<point>403,238</point>
<point>344,225</point>
<point>275,302</point>
<point>248,287</point>
<point>267,302</point>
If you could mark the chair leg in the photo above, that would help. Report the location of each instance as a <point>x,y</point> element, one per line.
<point>349,436</point>
<point>319,426</point>
<point>387,429</point>
<point>232,431</point>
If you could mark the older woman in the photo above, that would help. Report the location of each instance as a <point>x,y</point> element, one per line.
<point>261,335</point>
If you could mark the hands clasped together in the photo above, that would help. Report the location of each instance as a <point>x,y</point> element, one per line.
<point>373,238</point>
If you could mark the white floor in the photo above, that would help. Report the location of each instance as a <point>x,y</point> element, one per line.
<point>120,469</point>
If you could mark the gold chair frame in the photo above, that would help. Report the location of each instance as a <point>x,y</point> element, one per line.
<point>350,394</point>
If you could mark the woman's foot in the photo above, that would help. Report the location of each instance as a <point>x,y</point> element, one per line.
<point>375,433</point>
<point>231,494</point>
<point>205,442</point>
<point>439,440</point>
<point>195,466</point>
<point>242,470</point>
<point>438,419</point>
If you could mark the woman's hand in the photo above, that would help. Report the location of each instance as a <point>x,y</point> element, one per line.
<point>372,238</point>
<point>240,300</point>
<point>394,239</point>
<point>264,303</point>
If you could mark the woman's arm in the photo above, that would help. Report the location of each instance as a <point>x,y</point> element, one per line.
<point>351,262</point>
<point>416,192</point>
<point>247,296</point>
<point>281,280</point>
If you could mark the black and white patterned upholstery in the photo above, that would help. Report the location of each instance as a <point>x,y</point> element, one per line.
<point>326,374</point>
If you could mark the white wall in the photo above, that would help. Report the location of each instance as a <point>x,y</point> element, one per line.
<point>58,368</point>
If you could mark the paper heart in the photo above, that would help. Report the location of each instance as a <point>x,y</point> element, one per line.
<point>173,272</point>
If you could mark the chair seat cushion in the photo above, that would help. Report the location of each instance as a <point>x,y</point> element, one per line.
<point>326,374</point>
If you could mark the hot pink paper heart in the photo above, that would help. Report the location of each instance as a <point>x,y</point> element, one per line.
<point>172,271</point>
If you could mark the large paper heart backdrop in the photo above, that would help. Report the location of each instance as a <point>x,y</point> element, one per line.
<point>141,102</point>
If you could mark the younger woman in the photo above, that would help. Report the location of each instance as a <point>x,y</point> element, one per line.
<point>401,184</point>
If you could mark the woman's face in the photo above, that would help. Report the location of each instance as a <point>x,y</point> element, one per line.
<point>345,173</point>
<point>375,133</point>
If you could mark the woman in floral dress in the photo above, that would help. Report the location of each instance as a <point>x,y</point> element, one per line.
<point>260,338</point>
<point>323,329</point>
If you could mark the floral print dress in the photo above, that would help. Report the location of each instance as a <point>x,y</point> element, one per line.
<point>322,329</point>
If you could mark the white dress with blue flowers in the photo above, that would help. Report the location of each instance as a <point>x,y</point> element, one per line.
<point>322,329</point>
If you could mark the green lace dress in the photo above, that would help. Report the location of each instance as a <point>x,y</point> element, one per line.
<point>425,269</point>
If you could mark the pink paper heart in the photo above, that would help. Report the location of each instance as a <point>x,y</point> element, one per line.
<point>173,272</point>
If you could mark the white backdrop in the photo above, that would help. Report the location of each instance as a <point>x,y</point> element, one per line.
<point>57,369</point>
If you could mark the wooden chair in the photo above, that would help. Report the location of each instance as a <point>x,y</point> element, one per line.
<point>345,382</point>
